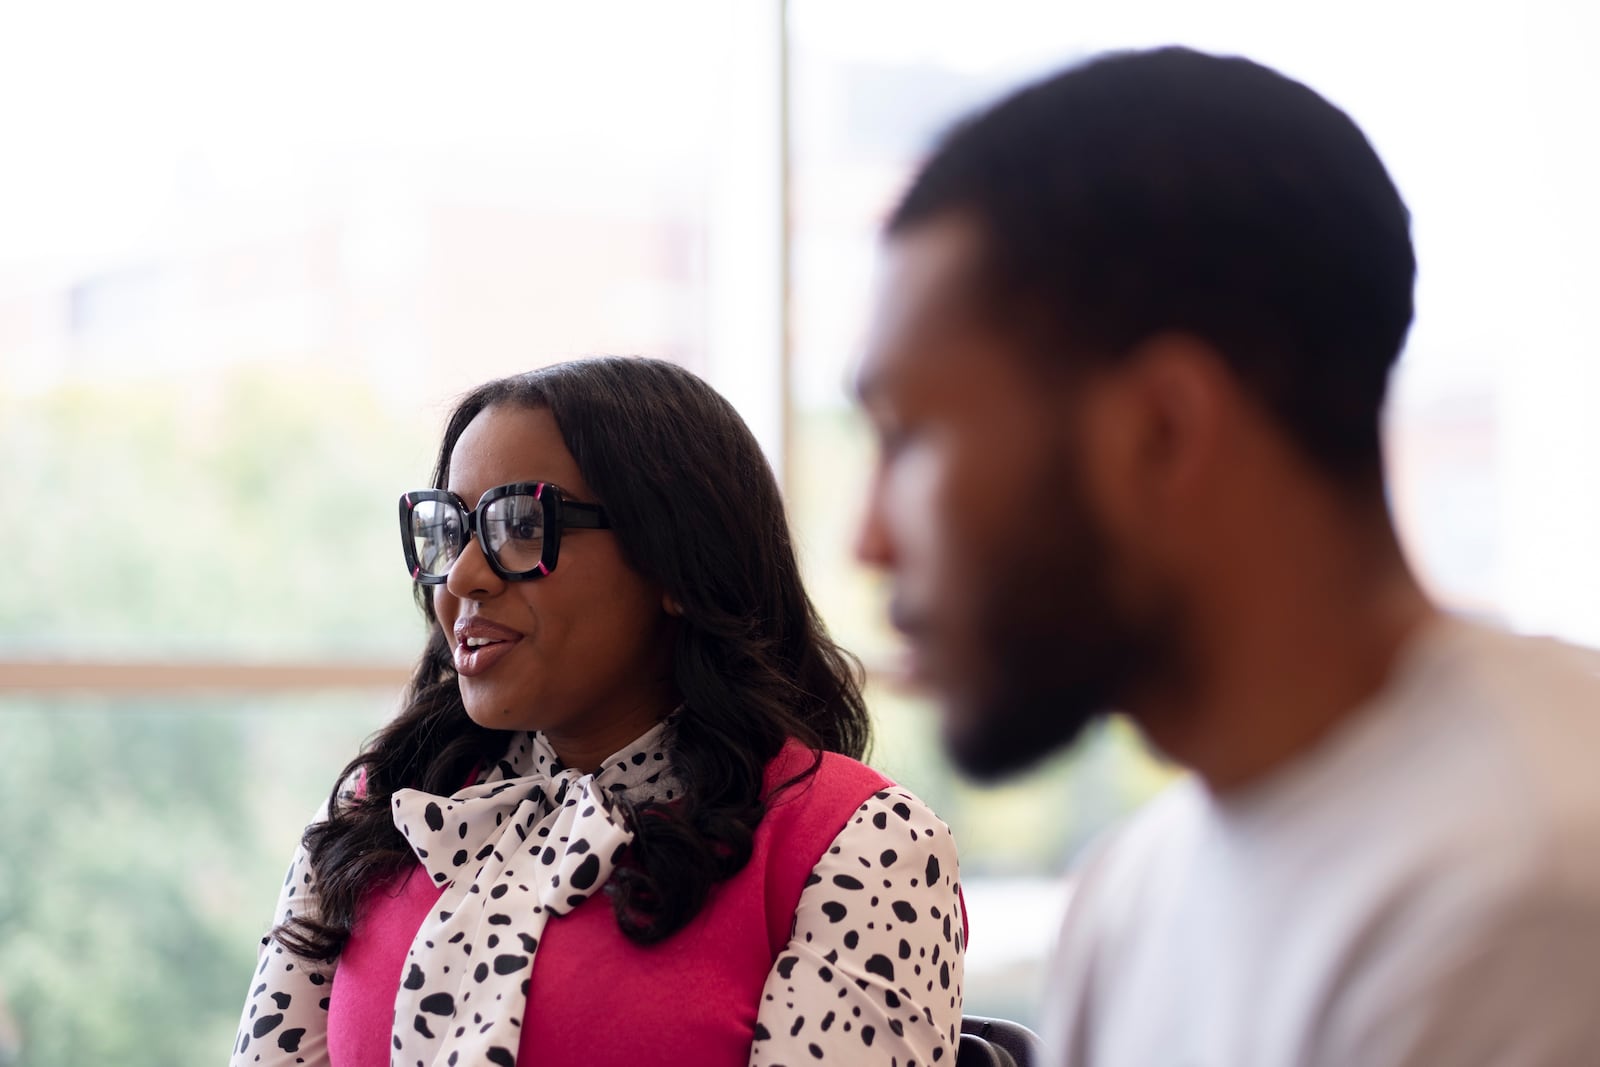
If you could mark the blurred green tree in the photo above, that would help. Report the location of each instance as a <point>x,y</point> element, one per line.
<point>251,518</point>
<point>144,839</point>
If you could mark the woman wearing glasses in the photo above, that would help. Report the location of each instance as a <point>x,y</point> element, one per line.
<point>619,819</point>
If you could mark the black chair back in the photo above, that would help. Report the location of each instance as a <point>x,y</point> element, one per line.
<point>989,1042</point>
<point>978,1052</point>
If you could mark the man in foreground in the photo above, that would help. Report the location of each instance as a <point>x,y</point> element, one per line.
<point>1127,371</point>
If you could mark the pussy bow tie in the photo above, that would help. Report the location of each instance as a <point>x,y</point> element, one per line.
<point>530,841</point>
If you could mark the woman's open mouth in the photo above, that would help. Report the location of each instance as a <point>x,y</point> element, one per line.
<point>481,644</point>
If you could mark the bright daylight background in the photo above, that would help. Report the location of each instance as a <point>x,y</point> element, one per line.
<point>249,254</point>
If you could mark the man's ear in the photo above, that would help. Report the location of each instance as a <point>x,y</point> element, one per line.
<point>1186,394</point>
<point>1150,432</point>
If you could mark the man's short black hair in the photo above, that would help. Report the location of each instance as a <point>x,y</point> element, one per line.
<point>1171,190</point>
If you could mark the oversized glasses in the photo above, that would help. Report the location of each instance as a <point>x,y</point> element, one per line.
<point>518,526</point>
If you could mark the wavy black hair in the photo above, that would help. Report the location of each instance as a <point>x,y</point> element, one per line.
<point>696,509</point>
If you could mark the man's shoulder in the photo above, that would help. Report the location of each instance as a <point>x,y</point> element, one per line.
<point>1456,822</point>
<point>1525,714</point>
<point>1531,680</point>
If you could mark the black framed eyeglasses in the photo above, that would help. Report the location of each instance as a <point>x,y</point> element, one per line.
<point>518,527</point>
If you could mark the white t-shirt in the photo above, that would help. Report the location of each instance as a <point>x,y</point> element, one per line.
<point>1422,888</point>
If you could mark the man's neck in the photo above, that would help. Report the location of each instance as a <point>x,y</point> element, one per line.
<point>1292,653</point>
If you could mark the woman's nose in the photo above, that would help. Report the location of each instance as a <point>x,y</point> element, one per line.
<point>471,577</point>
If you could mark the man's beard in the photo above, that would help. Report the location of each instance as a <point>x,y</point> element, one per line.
<point>1055,645</point>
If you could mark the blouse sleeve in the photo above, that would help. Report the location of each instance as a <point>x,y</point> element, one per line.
<point>285,1019</point>
<point>872,971</point>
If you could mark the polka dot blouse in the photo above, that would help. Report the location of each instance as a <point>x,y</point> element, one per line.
<point>871,974</point>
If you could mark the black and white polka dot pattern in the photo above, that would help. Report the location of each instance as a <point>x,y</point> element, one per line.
<point>871,975</point>
<point>872,972</point>
<point>286,1014</point>
<point>531,841</point>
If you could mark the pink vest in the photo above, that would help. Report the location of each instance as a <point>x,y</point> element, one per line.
<point>597,998</point>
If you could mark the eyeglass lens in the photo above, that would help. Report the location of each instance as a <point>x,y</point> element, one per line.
<point>511,529</point>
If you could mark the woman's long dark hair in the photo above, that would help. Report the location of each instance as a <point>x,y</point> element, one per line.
<point>696,509</point>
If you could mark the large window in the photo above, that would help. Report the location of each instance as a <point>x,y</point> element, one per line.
<point>246,261</point>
